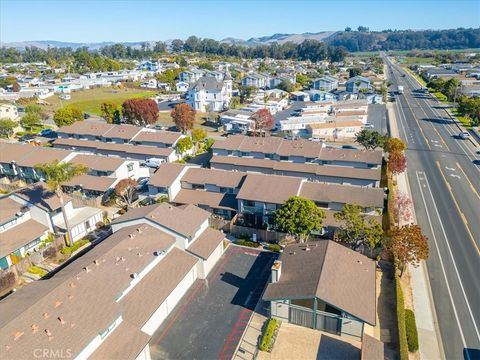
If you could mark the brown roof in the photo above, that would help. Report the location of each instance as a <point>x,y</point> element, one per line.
<point>215,200</point>
<point>301,147</point>
<point>8,209</point>
<point>206,243</point>
<point>338,124</point>
<point>344,194</point>
<point>90,182</point>
<point>331,272</point>
<point>98,162</point>
<point>351,112</point>
<point>29,156</point>
<point>272,189</point>
<point>184,220</point>
<point>36,310</point>
<point>14,152</point>
<point>92,128</point>
<point>19,235</point>
<point>166,174</point>
<point>115,346</point>
<point>123,131</point>
<point>307,168</point>
<point>157,285</point>
<point>220,178</point>
<point>164,137</point>
<point>39,195</point>
<point>372,349</point>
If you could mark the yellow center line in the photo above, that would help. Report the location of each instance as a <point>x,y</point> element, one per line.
<point>462,215</point>
<point>469,182</point>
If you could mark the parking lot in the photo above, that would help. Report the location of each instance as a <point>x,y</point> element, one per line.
<point>210,319</point>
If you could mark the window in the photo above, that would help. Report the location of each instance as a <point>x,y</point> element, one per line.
<point>243,153</point>
<point>226,190</point>
<point>283,158</point>
<point>130,167</point>
<point>198,186</point>
<point>248,203</point>
<point>269,156</point>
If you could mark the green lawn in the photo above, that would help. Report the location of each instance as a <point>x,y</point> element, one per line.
<point>464,120</point>
<point>90,100</point>
<point>415,60</point>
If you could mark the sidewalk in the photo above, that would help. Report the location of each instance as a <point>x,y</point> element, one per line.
<point>427,326</point>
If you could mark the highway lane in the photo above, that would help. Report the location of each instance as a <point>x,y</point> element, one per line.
<point>443,180</point>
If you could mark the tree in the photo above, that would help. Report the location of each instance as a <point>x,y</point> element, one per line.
<point>302,79</point>
<point>246,92</point>
<point>184,144</point>
<point>140,112</point>
<point>358,229</point>
<point>397,162</point>
<point>286,85</point>
<point>33,108</point>
<point>183,116</point>
<point>263,120</point>
<point>299,217</point>
<point>394,145</point>
<point>6,127</point>
<point>126,190</point>
<point>67,115</point>
<point>30,119</point>
<point>111,112</point>
<point>177,45</point>
<point>409,245</point>
<point>57,173</point>
<point>348,29</point>
<point>234,102</point>
<point>198,135</point>
<point>370,139</point>
<point>363,29</point>
<point>401,207</point>
<point>355,71</point>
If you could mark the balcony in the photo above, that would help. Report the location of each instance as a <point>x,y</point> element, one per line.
<point>252,210</point>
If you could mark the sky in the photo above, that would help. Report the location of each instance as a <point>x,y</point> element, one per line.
<point>139,20</point>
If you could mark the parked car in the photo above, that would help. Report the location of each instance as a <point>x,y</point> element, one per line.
<point>154,162</point>
<point>49,133</point>
<point>368,126</point>
<point>86,115</point>
<point>142,184</point>
<point>464,135</point>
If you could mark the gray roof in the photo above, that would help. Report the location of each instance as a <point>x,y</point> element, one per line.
<point>208,83</point>
<point>331,272</point>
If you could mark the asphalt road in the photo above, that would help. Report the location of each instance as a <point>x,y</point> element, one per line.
<point>445,185</point>
<point>209,321</point>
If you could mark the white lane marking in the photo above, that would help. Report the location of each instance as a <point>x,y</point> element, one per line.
<point>453,260</point>
<point>451,169</point>
<point>441,264</point>
<point>455,176</point>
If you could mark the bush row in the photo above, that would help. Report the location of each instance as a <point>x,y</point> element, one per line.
<point>268,333</point>
<point>411,329</point>
<point>402,334</point>
<point>248,243</point>
<point>274,247</point>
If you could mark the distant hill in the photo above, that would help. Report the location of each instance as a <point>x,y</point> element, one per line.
<point>44,44</point>
<point>280,38</point>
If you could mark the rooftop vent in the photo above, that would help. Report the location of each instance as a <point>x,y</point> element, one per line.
<point>57,303</point>
<point>134,275</point>
<point>139,230</point>
<point>17,335</point>
<point>61,320</point>
<point>46,316</point>
<point>48,332</point>
<point>96,262</point>
<point>72,285</point>
<point>86,269</point>
<point>159,252</point>
<point>131,236</point>
<point>34,328</point>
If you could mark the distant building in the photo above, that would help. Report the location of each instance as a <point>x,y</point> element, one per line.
<point>356,83</point>
<point>325,83</point>
<point>8,111</point>
<point>209,94</point>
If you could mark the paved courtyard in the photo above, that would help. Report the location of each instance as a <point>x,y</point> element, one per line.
<point>209,321</point>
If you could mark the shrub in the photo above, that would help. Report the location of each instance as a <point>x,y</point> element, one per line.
<point>267,336</point>
<point>7,280</point>
<point>37,271</point>
<point>274,247</point>
<point>248,243</point>
<point>402,334</point>
<point>411,329</point>
<point>76,245</point>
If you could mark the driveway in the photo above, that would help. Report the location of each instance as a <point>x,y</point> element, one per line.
<point>210,319</point>
<point>282,115</point>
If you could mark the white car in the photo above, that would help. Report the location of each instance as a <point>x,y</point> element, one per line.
<point>154,162</point>
<point>464,135</point>
<point>368,126</point>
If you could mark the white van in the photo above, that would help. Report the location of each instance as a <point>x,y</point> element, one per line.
<point>154,162</point>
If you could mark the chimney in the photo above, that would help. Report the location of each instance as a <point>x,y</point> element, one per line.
<point>276,271</point>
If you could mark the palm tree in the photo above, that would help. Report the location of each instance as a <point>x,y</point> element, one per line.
<point>57,173</point>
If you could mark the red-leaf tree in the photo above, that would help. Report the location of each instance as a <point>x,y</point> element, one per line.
<point>183,116</point>
<point>409,245</point>
<point>140,112</point>
<point>397,162</point>
<point>401,207</point>
<point>125,190</point>
<point>263,120</point>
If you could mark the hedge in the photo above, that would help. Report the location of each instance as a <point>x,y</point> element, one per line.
<point>248,243</point>
<point>76,245</point>
<point>37,271</point>
<point>268,333</point>
<point>274,247</point>
<point>411,328</point>
<point>402,334</point>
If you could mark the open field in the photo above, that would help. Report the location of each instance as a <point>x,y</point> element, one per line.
<point>415,60</point>
<point>90,100</point>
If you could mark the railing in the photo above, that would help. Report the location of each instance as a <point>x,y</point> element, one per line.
<point>252,210</point>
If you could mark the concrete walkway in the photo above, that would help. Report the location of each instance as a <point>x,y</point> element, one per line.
<point>247,347</point>
<point>427,325</point>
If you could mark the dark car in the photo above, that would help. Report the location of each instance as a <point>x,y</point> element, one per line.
<point>48,133</point>
<point>142,184</point>
<point>86,115</point>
